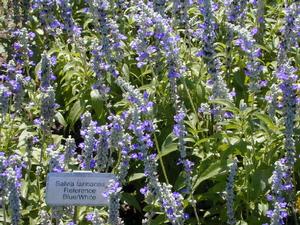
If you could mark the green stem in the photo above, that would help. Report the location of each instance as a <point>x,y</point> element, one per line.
<point>39,188</point>
<point>10,134</point>
<point>195,210</point>
<point>27,177</point>
<point>183,79</point>
<point>160,159</point>
<point>4,209</point>
<point>190,98</point>
<point>295,216</point>
<point>228,55</point>
<point>42,147</point>
<point>248,187</point>
<point>291,200</point>
<point>118,162</point>
<point>75,214</point>
<point>1,136</point>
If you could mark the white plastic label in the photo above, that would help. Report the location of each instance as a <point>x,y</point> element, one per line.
<point>77,188</point>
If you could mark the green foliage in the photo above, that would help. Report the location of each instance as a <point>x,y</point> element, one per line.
<point>250,134</point>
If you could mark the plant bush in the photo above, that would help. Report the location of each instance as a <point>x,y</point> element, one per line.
<point>192,105</point>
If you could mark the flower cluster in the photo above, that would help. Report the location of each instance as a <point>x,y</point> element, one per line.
<point>22,47</point>
<point>46,11</point>
<point>47,97</point>
<point>48,107</point>
<point>19,91</point>
<point>110,36</point>
<point>120,139</point>
<point>15,82</point>
<point>70,150</point>
<point>271,98</point>
<point>95,218</point>
<point>45,74</point>
<point>103,145</point>
<point>117,135</point>
<point>142,129</point>
<point>180,11</point>
<point>230,193</point>
<point>56,163</point>
<point>258,6</point>
<point>112,137</point>
<point>286,74</point>
<point>14,196</point>
<point>235,10</point>
<point>99,142</point>
<point>290,30</point>
<point>248,44</point>
<point>107,51</point>
<point>15,78</point>
<point>10,175</point>
<point>279,188</point>
<point>88,131</point>
<point>159,6</point>
<point>68,22</point>
<point>157,38</point>
<point>114,195</point>
<point>153,25</point>
<point>100,68</point>
<point>99,10</point>
<point>126,149</point>
<point>170,202</point>
<point>4,103</point>
<point>207,30</point>
<point>141,44</point>
<point>180,132</point>
<point>45,217</point>
<point>206,33</point>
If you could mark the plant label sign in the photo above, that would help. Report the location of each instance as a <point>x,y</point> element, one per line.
<point>77,188</point>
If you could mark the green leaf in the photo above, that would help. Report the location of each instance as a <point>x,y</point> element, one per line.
<point>2,49</point>
<point>160,219</point>
<point>168,146</point>
<point>180,181</point>
<point>131,200</point>
<point>136,176</point>
<point>75,112</point>
<point>242,222</point>
<point>266,119</point>
<point>39,31</point>
<point>86,23</point>
<point>125,70</point>
<point>59,117</point>
<point>22,137</point>
<point>214,169</point>
<point>263,47</point>
<point>229,106</point>
<point>24,188</point>
<point>97,102</point>
<point>69,66</point>
<point>259,180</point>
